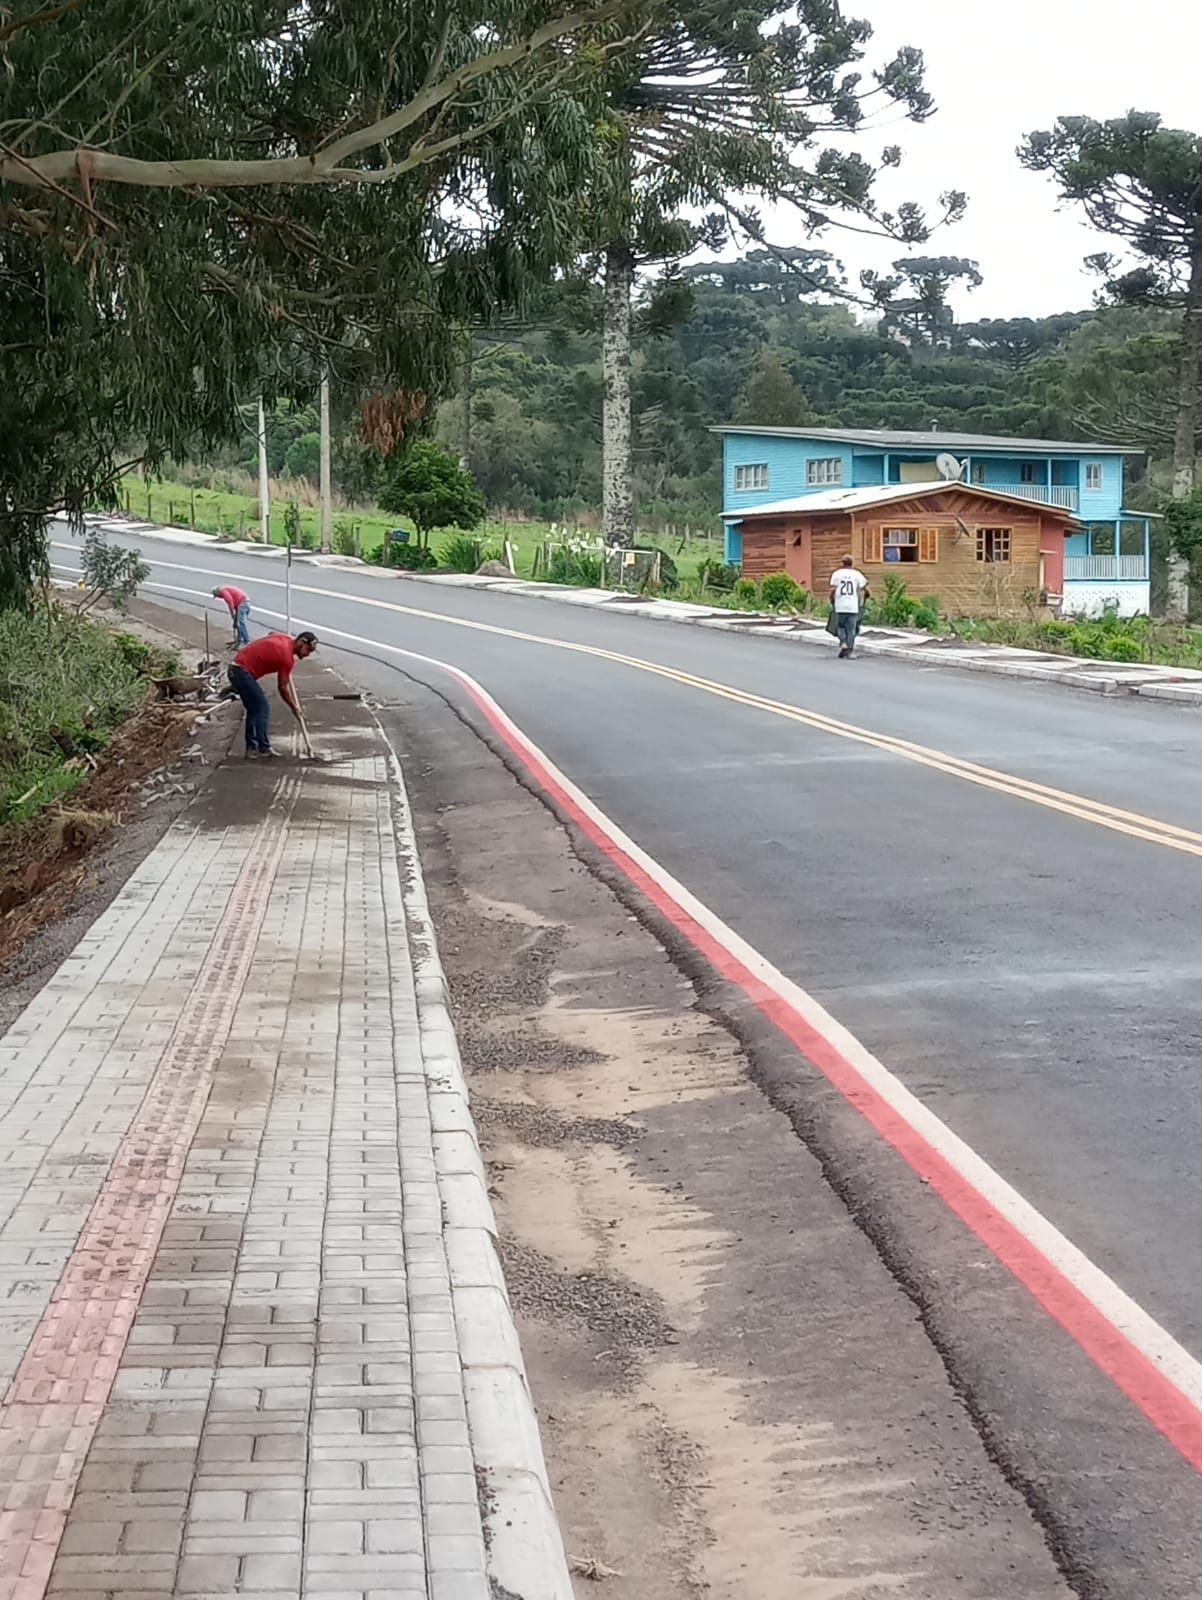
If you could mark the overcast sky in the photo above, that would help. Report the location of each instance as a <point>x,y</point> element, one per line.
<point>998,72</point>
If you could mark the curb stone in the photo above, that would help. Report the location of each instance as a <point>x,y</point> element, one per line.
<point>524,1549</point>
<point>1178,685</point>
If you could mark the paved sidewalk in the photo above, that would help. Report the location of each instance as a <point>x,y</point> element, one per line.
<point>254,1338</point>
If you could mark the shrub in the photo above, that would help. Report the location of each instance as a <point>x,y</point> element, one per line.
<point>779,589</point>
<point>746,591</point>
<point>463,552</point>
<point>895,608</point>
<point>408,557</point>
<point>1056,631</point>
<point>718,574</point>
<point>427,485</point>
<point>133,651</point>
<point>925,616</point>
<point>344,537</point>
<point>1122,647</point>
<point>669,575</point>
<point>571,563</point>
<point>292,523</point>
<point>310,539</point>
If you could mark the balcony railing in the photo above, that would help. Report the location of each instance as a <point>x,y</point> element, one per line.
<point>1053,494</point>
<point>1106,569</point>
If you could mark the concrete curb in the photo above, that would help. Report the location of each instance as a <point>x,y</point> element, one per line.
<point>525,1554</point>
<point>1180,685</point>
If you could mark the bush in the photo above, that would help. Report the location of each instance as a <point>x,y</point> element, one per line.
<point>463,552</point>
<point>344,537</point>
<point>1122,647</point>
<point>133,651</point>
<point>310,539</point>
<point>292,523</point>
<point>779,589</point>
<point>408,557</point>
<point>1056,631</point>
<point>895,608</point>
<point>746,591</point>
<point>425,484</point>
<point>925,616</point>
<point>718,574</point>
<point>570,563</point>
<point>669,575</point>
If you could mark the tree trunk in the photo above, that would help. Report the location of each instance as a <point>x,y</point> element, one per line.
<point>327,510</point>
<point>264,485</point>
<point>617,465</point>
<point>1185,436</point>
<point>465,407</point>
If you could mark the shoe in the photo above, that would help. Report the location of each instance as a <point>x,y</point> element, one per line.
<point>268,753</point>
<point>843,652</point>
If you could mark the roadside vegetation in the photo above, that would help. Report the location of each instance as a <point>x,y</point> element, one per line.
<point>67,682</point>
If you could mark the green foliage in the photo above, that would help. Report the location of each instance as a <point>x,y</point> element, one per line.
<point>144,301</point>
<point>779,589</point>
<point>573,563</point>
<point>746,591</point>
<point>1183,523</point>
<point>63,682</point>
<point>408,557</point>
<point>302,459</point>
<point>343,537</point>
<point>426,484</point>
<point>463,552</point>
<point>770,398</point>
<point>721,575</point>
<point>895,608</point>
<point>292,523</point>
<point>669,572</point>
<point>110,572</point>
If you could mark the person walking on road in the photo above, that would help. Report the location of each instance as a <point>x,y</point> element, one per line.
<point>278,653</point>
<point>849,588</point>
<point>239,606</point>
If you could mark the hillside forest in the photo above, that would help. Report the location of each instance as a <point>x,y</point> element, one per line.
<point>747,341</point>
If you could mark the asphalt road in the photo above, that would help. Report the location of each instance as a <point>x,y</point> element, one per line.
<point>1031,973</point>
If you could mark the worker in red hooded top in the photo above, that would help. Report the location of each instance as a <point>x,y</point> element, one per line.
<point>276,653</point>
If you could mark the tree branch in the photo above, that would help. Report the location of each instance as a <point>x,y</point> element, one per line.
<point>51,14</point>
<point>323,166</point>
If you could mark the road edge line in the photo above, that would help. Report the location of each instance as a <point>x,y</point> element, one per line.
<point>524,1548</point>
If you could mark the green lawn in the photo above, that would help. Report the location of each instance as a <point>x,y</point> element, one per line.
<point>236,515</point>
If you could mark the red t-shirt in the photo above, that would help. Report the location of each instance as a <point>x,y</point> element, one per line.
<point>233,597</point>
<point>262,657</point>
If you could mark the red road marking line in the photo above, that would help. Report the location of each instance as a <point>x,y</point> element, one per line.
<point>1170,1411</point>
<point>55,1402</point>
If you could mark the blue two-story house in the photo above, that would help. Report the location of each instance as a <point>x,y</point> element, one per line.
<point>1106,558</point>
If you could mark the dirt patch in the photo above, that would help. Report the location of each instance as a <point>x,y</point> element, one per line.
<point>737,1400</point>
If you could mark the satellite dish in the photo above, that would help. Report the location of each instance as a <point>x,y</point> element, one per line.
<point>949,468</point>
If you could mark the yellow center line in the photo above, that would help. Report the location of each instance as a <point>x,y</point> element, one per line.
<point>1118,820</point>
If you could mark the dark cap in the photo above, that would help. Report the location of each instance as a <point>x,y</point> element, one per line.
<point>306,638</point>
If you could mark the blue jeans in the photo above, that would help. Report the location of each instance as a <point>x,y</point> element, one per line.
<point>248,689</point>
<point>847,625</point>
<point>241,618</point>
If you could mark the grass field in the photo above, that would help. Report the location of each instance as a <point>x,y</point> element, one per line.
<point>363,530</point>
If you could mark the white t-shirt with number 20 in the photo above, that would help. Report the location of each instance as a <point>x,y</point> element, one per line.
<point>847,584</point>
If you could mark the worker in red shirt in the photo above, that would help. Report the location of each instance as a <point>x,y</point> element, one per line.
<point>239,605</point>
<point>277,653</point>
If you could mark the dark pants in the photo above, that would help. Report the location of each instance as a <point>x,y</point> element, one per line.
<point>246,686</point>
<point>847,625</point>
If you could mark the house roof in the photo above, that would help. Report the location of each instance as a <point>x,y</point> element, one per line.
<point>893,439</point>
<point>828,500</point>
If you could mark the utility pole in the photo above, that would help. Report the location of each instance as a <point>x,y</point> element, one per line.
<point>327,518</point>
<point>264,486</point>
<point>465,405</point>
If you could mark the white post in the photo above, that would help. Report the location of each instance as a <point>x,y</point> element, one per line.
<point>327,518</point>
<point>264,486</point>
<point>288,590</point>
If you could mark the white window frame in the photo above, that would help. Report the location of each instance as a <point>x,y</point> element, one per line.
<point>822,471</point>
<point>978,472</point>
<point>901,537</point>
<point>1093,477</point>
<point>751,475</point>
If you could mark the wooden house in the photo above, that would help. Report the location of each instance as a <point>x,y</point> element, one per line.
<point>979,550</point>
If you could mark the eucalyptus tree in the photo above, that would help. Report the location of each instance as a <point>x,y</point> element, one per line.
<point>206,199</point>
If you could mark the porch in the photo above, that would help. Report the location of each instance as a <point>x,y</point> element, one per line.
<point>1107,567</point>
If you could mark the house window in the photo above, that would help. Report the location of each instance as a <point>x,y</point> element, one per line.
<point>993,544</point>
<point>824,469</point>
<point>1093,477</point>
<point>978,472</point>
<point>1026,472</point>
<point>753,477</point>
<point>899,544</point>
